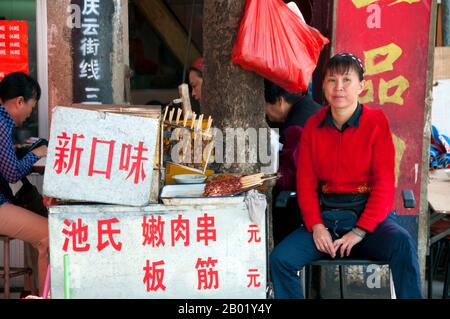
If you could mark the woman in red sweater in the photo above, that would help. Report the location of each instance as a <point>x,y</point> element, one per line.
<point>345,187</point>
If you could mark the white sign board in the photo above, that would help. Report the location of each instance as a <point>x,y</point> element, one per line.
<point>100,157</point>
<point>157,251</point>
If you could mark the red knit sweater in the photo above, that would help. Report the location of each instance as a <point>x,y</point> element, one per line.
<point>357,160</point>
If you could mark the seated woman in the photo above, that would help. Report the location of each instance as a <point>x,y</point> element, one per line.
<point>288,111</point>
<point>346,153</point>
<point>19,94</point>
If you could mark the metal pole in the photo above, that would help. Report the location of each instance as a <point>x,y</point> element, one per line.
<point>446,22</point>
<point>188,45</point>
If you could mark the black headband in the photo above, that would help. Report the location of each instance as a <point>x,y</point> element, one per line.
<point>354,57</point>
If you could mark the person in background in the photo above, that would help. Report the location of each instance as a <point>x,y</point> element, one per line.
<point>19,94</point>
<point>346,157</point>
<point>289,112</point>
<point>196,78</point>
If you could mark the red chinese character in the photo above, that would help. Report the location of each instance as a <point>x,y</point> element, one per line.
<point>153,232</point>
<point>108,231</point>
<point>137,165</point>
<point>125,155</point>
<point>106,172</point>
<point>62,151</point>
<point>206,229</point>
<point>207,276</point>
<point>253,275</point>
<point>78,234</point>
<point>180,229</point>
<point>254,234</point>
<point>153,278</point>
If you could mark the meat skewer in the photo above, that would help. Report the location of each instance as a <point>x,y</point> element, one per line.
<point>228,185</point>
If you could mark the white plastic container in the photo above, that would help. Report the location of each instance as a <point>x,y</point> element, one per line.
<point>189,178</point>
<point>192,194</point>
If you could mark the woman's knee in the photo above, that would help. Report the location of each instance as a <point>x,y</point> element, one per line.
<point>283,258</point>
<point>402,241</point>
<point>42,245</point>
<point>42,241</point>
<point>278,258</point>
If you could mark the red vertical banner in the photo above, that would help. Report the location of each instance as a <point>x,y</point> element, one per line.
<point>13,47</point>
<point>391,37</point>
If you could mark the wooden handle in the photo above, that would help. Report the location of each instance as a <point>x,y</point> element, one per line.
<point>183,91</point>
<point>171,115</point>
<point>210,147</point>
<point>186,116</point>
<point>253,183</point>
<point>178,116</point>
<point>165,113</point>
<point>200,122</point>
<point>208,126</point>
<point>193,120</point>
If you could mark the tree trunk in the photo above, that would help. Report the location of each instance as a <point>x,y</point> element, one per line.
<point>233,96</point>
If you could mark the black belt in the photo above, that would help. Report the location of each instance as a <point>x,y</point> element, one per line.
<point>356,202</point>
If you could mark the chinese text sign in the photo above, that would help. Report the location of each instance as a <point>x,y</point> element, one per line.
<point>100,157</point>
<point>13,47</point>
<point>157,251</point>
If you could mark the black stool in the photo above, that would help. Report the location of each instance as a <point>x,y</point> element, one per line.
<point>439,245</point>
<point>341,263</point>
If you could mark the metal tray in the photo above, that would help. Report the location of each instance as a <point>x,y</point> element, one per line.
<point>192,194</point>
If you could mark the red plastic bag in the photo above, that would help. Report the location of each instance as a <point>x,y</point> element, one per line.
<point>276,44</point>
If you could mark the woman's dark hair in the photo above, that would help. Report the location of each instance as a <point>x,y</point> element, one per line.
<point>199,73</point>
<point>341,63</point>
<point>19,84</point>
<point>272,92</point>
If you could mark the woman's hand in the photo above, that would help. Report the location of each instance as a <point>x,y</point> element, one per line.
<point>323,241</point>
<point>40,151</point>
<point>346,243</point>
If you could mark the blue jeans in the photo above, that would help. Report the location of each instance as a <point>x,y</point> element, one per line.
<point>389,242</point>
